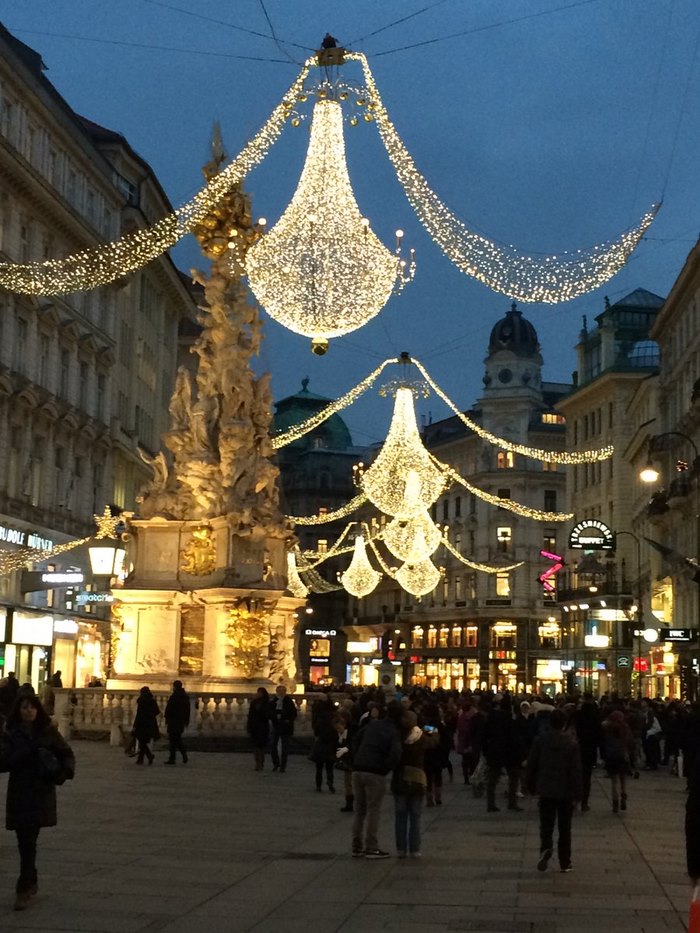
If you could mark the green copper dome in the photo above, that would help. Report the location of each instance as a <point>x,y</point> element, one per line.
<point>331,435</point>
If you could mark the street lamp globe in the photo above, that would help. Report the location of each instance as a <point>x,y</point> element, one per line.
<point>649,474</point>
<point>650,635</point>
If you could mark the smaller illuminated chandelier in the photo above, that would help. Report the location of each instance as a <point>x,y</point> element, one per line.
<point>403,481</point>
<point>404,537</point>
<point>321,271</point>
<point>360,578</point>
<point>418,575</point>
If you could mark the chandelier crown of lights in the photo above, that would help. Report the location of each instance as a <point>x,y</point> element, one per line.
<point>321,271</point>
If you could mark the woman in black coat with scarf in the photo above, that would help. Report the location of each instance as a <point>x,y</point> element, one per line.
<point>258,725</point>
<point>145,728</point>
<point>38,759</point>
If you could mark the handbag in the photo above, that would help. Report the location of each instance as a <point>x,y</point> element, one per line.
<point>50,767</point>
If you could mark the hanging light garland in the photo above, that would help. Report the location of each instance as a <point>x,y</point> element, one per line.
<point>92,267</point>
<point>549,279</point>
<point>520,276</point>
<point>297,431</point>
<point>568,458</point>
<point>327,517</point>
<point>321,271</point>
<point>360,578</point>
<point>535,453</point>
<point>18,560</point>
<point>312,578</point>
<point>526,511</point>
<point>403,464</point>
<point>475,565</point>
<point>295,584</point>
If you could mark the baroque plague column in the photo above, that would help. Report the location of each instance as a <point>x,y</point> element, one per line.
<point>204,599</point>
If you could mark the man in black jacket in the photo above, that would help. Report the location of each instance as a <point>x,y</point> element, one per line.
<point>283,712</point>
<point>554,772</point>
<point>376,752</point>
<point>177,718</point>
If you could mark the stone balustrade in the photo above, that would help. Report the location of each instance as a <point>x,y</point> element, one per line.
<point>213,715</point>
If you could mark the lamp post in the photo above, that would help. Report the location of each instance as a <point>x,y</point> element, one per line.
<point>650,475</point>
<point>640,610</point>
<point>107,554</point>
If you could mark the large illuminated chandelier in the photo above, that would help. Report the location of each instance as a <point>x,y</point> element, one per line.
<point>321,271</point>
<point>519,275</point>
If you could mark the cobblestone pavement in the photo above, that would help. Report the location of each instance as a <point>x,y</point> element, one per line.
<point>214,846</point>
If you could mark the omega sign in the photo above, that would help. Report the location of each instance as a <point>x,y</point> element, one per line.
<point>592,535</point>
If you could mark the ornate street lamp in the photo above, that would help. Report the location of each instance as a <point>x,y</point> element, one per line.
<point>106,549</point>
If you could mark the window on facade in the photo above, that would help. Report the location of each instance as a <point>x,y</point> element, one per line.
<point>322,545</point>
<point>445,510</point>
<point>504,636</point>
<point>549,417</point>
<point>417,637</point>
<point>505,460</point>
<point>550,466</point>
<point>471,636</point>
<point>610,414</point>
<point>549,541</point>
<point>458,541</point>
<point>504,536</point>
<point>83,384</point>
<point>503,494</point>
<point>458,506</point>
<point>470,585</point>
<point>444,637</point>
<point>101,389</point>
<point>445,588</point>
<point>549,635</point>
<point>472,504</point>
<point>550,500</point>
<point>21,339</point>
<point>65,373</point>
<point>502,584</point>
<point>432,637</point>
<point>456,637</point>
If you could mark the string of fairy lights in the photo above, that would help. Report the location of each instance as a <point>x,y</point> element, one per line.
<point>90,268</point>
<point>527,278</point>
<point>524,277</point>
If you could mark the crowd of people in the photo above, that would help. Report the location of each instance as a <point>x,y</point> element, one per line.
<point>544,747</point>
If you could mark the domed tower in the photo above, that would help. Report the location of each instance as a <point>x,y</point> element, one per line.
<point>514,361</point>
<point>513,377</point>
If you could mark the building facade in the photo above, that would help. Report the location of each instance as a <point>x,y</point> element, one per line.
<point>85,378</point>
<point>605,594</point>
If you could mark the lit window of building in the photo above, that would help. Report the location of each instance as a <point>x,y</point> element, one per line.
<point>471,634</point>
<point>456,637</point>
<point>505,460</point>
<point>444,637</point>
<point>504,636</point>
<point>504,535</point>
<point>417,637</point>
<point>322,546</point>
<point>432,637</point>
<point>502,584</point>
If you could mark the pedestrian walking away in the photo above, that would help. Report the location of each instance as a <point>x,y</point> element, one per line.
<point>258,725</point>
<point>325,740</point>
<point>177,719</point>
<point>145,728</point>
<point>618,751</point>
<point>38,759</point>
<point>554,773</point>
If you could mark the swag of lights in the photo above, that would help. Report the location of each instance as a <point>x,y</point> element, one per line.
<point>535,453</point>
<point>568,458</point>
<point>510,505</point>
<point>89,268</point>
<point>527,278</point>
<point>321,271</point>
<point>523,277</point>
<point>295,584</point>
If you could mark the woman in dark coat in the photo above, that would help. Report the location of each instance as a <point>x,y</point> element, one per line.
<point>325,741</point>
<point>38,759</point>
<point>145,727</point>
<point>258,726</point>
<point>618,749</point>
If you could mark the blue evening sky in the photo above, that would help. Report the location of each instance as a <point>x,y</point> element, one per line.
<point>549,124</point>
